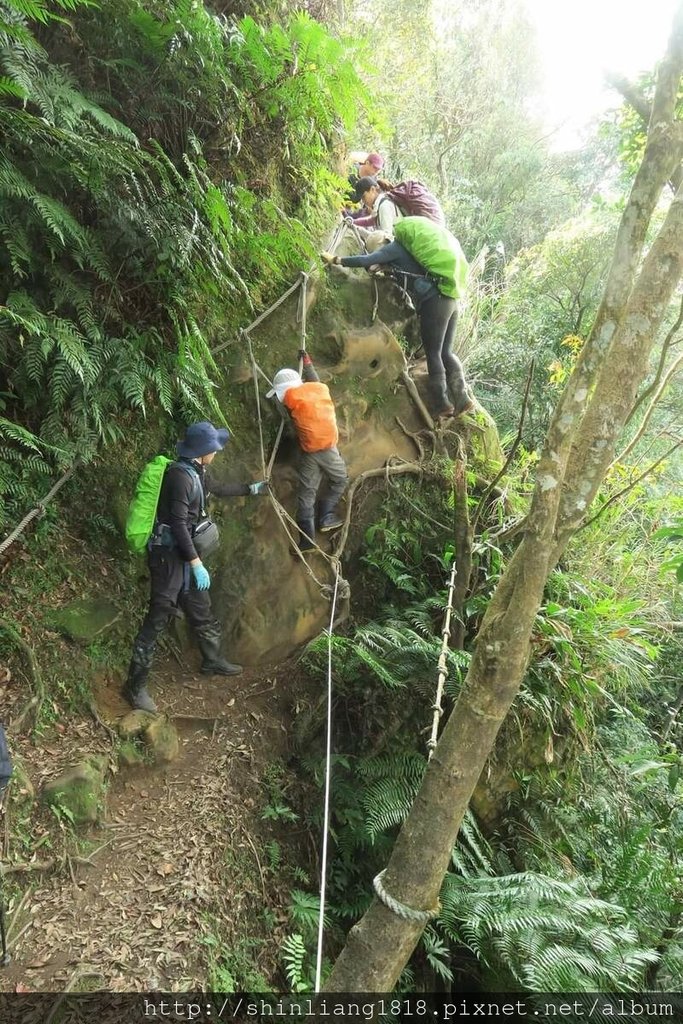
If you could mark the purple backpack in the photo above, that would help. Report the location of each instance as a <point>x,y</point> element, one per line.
<point>415,200</point>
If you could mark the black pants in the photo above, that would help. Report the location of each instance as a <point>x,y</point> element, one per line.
<point>438,320</point>
<point>168,579</point>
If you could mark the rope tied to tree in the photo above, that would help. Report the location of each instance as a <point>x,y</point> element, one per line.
<point>36,512</point>
<point>400,909</point>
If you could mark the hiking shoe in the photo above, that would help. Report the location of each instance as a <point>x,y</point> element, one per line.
<point>467,405</point>
<point>220,667</point>
<point>330,522</point>
<point>139,699</point>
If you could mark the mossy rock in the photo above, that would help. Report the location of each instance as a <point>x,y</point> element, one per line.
<point>129,754</point>
<point>79,792</point>
<point>161,738</point>
<point>134,724</point>
<point>85,619</point>
<point>485,448</point>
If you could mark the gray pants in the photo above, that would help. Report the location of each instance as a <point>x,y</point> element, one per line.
<point>313,468</point>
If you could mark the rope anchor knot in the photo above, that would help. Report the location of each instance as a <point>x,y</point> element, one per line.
<point>398,908</point>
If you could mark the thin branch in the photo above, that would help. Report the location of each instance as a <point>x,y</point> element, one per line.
<point>625,490</point>
<point>411,388</point>
<point>511,454</point>
<point>34,672</point>
<point>414,437</point>
<point>650,409</point>
<point>668,343</point>
<point>388,470</point>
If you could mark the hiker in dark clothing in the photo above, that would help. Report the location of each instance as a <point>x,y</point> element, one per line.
<point>178,575</point>
<point>437,314</point>
<point>310,405</point>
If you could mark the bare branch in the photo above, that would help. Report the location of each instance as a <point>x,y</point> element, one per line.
<point>511,454</point>
<point>668,343</point>
<point>629,487</point>
<point>673,369</point>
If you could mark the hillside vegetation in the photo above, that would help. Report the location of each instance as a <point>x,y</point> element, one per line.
<point>166,172</point>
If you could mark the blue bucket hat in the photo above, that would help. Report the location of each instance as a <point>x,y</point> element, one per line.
<point>202,439</point>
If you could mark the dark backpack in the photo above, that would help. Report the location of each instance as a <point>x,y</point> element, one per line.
<point>415,200</point>
<point>5,762</point>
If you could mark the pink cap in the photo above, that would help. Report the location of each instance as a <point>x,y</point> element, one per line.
<point>376,160</point>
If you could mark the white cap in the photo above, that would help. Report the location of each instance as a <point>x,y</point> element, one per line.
<point>282,382</point>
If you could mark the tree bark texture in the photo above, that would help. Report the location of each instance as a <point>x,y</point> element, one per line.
<point>578,449</point>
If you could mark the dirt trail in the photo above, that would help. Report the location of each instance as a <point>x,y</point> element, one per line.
<point>169,866</point>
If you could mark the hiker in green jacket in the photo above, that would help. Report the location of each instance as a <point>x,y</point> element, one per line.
<point>437,314</point>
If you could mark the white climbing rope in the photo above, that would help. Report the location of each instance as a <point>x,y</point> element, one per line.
<point>283,515</point>
<point>328,774</point>
<point>442,665</point>
<point>398,908</point>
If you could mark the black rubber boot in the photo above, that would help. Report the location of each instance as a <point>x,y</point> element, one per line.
<point>441,403</point>
<point>306,534</point>
<point>458,391</point>
<point>328,518</point>
<point>135,688</point>
<point>213,662</point>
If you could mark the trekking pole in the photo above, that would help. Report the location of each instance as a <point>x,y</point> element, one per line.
<point>6,958</point>
<point>5,775</point>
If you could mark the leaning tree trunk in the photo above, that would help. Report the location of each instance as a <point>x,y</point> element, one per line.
<point>579,447</point>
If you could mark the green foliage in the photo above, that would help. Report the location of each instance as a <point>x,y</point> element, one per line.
<point>133,232</point>
<point>391,785</point>
<point>631,127</point>
<point>296,961</point>
<point>461,107</point>
<point>540,934</point>
<point>591,646</point>
<point>578,884</point>
<point>672,535</point>
<point>551,295</point>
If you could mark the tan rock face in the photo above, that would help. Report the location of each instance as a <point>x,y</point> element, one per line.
<point>268,603</point>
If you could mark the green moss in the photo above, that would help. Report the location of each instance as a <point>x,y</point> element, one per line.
<point>84,619</point>
<point>78,793</point>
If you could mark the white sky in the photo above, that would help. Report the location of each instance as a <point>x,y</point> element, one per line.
<point>579,40</point>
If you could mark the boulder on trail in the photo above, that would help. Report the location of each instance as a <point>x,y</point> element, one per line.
<point>157,733</point>
<point>79,792</point>
<point>161,738</point>
<point>134,724</point>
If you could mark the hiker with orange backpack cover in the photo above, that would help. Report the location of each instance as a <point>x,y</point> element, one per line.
<point>310,405</point>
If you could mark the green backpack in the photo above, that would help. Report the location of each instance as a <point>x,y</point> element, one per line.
<point>142,510</point>
<point>437,250</point>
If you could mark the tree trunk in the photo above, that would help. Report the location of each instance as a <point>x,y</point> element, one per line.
<point>579,446</point>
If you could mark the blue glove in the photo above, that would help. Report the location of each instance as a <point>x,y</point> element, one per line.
<point>201,577</point>
<point>260,487</point>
